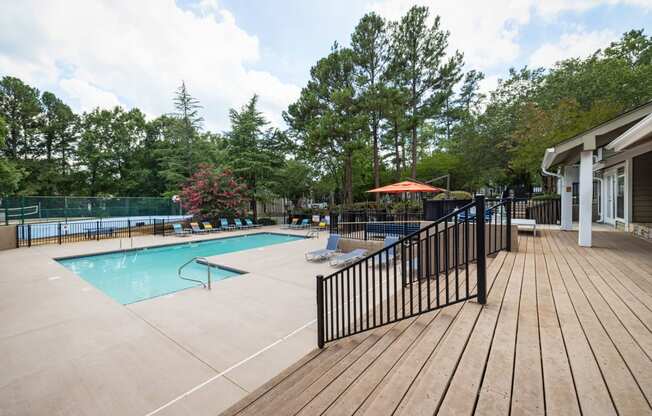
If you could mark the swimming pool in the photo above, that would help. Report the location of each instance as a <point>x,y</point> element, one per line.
<point>135,275</point>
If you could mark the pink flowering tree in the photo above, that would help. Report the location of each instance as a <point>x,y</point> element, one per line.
<point>210,193</point>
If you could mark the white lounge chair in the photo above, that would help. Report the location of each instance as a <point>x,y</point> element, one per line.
<point>329,251</point>
<point>348,258</point>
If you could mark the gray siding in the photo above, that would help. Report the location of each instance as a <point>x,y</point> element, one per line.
<point>642,188</point>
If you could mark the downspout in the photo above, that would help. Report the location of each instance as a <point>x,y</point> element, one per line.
<point>600,219</point>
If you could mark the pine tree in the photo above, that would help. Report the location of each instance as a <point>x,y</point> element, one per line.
<point>188,112</point>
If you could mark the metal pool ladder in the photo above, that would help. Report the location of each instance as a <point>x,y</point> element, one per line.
<point>208,271</point>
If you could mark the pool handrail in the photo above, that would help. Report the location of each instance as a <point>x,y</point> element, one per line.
<point>208,270</point>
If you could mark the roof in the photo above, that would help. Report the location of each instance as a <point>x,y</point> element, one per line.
<point>604,133</point>
<point>641,132</point>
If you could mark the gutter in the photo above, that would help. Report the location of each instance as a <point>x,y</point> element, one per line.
<point>547,161</point>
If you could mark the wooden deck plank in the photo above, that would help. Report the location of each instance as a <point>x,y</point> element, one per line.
<point>591,389</point>
<point>496,391</point>
<point>565,332</point>
<point>466,382</point>
<point>430,385</point>
<point>559,386</point>
<point>610,349</point>
<point>322,394</point>
<point>388,394</point>
<point>614,276</point>
<point>527,395</point>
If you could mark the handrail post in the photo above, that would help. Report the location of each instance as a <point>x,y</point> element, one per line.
<point>320,311</point>
<point>508,204</point>
<point>480,249</point>
<point>208,269</point>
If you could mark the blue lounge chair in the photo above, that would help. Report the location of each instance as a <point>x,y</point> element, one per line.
<point>179,231</point>
<point>348,258</point>
<point>329,251</point>
<point>387,256</point>
<point>238,224</point>
<point>305,223</point>
<point>224,225</point>
<point>251,223</point>
<point>463,216</point>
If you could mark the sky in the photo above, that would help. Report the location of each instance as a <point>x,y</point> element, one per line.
<point>103,53</point>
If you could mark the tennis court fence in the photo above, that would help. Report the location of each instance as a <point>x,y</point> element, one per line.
<point>35,209</point>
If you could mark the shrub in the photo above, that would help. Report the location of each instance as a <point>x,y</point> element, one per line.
<point>213,194</point>
<point>266,221</point>
<point>453,195</point>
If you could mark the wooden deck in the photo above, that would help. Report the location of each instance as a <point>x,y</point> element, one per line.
<point>566,331</point>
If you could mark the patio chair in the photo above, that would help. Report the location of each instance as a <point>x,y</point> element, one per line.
<point>238,224</point>
<point>387,256</point>
<point>251,223</point>
<point>224,225</point>
<point>179,231</point>
<point>348,258</point>
<point>305,223</point>
<point>325,253</point>
<point>209,227</point>
<point>196,229</point>
<point>291,224</point>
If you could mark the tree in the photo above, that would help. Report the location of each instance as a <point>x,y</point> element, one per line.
<point>422,67</point>
<point>9,175</point>
<point>187,110</point>
<point>254,152</point>
<point>369,43</point>
<point>326,120</point>
<point>20,107</point>
<point>211,194</point>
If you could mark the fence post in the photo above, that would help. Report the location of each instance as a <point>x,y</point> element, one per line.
<point>129,226</point>
<point>508,203</point>
<point>97,231</point>
<point>480,249</point>
<point>320,311</point>
<point>18,235</point>
<point>59,230</point>
<point>29,235</point>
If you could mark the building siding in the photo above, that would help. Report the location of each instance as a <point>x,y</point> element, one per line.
<point>642,188</point>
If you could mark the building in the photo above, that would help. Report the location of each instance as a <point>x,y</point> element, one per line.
<point>610,169</point>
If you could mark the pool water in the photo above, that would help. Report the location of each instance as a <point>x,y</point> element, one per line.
<point>135,275</point>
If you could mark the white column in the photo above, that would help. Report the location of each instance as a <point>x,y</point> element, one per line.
<point>586,197</point>
<point>566,193</point>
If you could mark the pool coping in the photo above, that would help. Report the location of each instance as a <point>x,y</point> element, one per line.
<point>126,250</point>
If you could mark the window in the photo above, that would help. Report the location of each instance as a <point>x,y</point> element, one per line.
<point>620,193</point>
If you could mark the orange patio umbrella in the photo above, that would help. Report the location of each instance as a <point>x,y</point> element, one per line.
<point>406,186</point>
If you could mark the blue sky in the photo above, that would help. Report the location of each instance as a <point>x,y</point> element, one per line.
<point>135,53</point>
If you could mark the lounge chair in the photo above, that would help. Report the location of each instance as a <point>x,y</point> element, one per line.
<point>196,229</point>
<point>238,224</point>
<point>224,225</point>
<point>291,224</point>
<point>463,216</point>
<point>348,258</point>
<point>305,223</point>
<point>179,231</point>
<point>251,223</point>
<point>209,227</point>
<point>329,251</point>
<point>386,256</point>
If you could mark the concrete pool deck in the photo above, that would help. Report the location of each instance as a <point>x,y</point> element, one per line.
<point>67,348</point>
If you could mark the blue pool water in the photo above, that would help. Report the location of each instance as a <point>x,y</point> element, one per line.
<point>132,276</point>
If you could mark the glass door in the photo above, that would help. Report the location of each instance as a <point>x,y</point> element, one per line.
<point>609,184</point>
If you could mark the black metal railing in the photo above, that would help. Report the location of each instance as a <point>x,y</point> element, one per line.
<point>28,235</point>
<point>543,211</point>
<point>428,269</point>
<point>374,230</point>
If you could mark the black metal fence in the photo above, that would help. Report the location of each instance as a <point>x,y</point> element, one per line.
<point>543,211</point>
<point>425,270</point>
<point>373,230</point>
<point>28,235</point>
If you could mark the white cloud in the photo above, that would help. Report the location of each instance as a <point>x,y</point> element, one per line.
<point>87,96</point>
<point>487,31</point>
<point>94,51</point>
<point>577,44</point>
